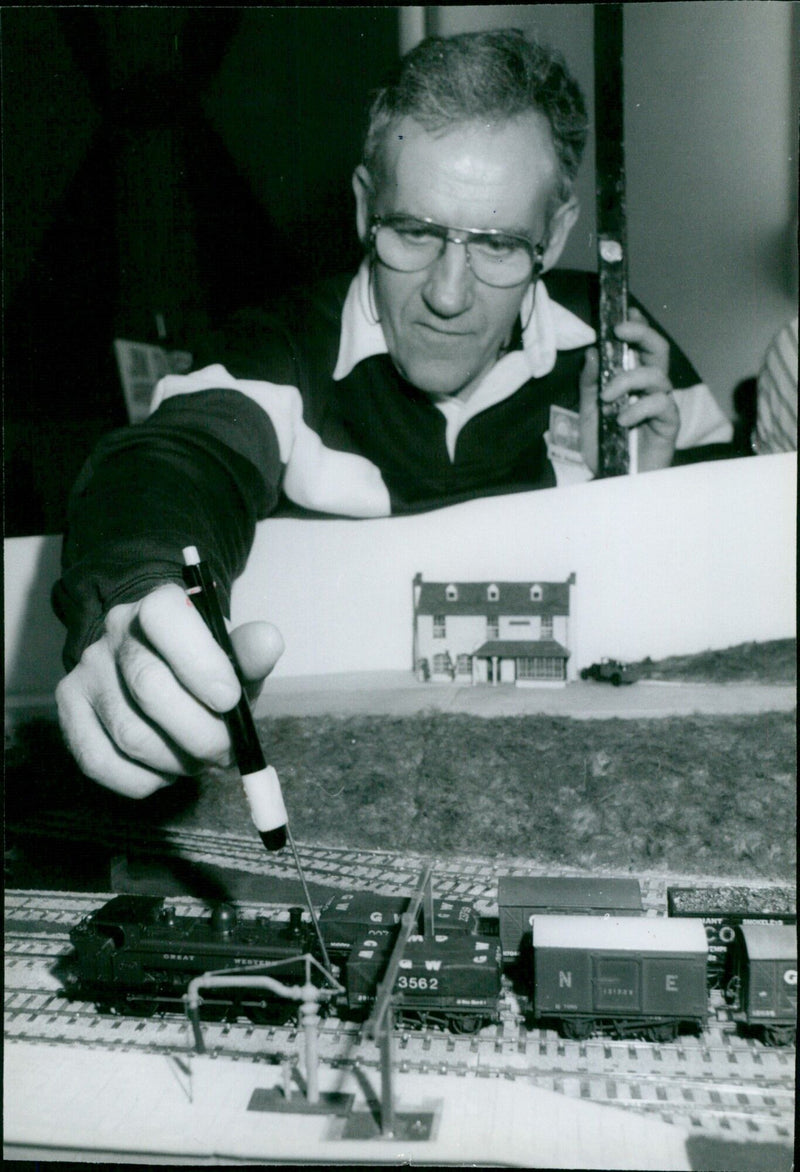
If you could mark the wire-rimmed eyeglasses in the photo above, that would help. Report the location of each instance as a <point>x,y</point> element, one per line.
<point>410,244</point>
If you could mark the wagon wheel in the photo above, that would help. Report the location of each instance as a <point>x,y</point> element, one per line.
<point>466,1025</point>
<point>616,679</point>
<point>584,673</point>
<point>665,1032</point>
<point>779,1035</point>
<point>578,1028</point>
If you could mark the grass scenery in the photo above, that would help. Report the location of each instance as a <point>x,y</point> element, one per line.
<point>713,795</point>
<point>773,662</point>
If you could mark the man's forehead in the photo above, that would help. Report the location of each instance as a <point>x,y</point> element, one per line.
<point>510,165</point>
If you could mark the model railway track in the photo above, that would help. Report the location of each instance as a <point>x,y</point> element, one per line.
<point>716,1084</point>
<point>36,1013</point>
<point>384,872</point>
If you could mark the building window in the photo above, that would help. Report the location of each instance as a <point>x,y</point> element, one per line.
<point>492,592</point>
<point>536,593</point>
<point>451,593</point>
<point>439,626</point>
<point>519,622</point>
<point>492,626</point>
<point>540,667</point>
<point>442,664</point>
<point>464,665</point>
<point>547,627</point>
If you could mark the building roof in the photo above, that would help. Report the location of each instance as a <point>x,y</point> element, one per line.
<point>513,598</point>
<point>620,934</point>
<point>527,648</point>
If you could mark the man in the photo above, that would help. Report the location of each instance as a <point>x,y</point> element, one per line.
<point>427,379</point>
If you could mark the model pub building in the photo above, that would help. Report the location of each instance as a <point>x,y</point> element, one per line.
<point>493,632</point>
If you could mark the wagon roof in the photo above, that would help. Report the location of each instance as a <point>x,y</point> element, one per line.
<point>568,891</point>
<point>620,934</point>
<point>770,941</point>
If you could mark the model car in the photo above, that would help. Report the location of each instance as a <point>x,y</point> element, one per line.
<point>609,669</point>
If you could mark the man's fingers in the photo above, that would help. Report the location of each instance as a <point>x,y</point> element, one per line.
<point>175,630</point>
<point>175,730</point>
<point>95,753</point>
<point>659,408</point>
<point>647,379</point>
<point>651,347</point>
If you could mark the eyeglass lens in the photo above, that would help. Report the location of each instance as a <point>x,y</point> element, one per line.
<point>495,259</point>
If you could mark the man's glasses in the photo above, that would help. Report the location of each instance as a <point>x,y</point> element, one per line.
<point>497,258</point>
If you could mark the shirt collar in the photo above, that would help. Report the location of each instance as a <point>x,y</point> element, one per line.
<point>551,328</point>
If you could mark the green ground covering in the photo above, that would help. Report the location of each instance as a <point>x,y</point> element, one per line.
<point>773,662</point>
<point>701,794</point>
<point>713,795</point>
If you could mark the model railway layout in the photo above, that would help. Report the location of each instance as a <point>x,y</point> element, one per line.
<point>718,1082</point>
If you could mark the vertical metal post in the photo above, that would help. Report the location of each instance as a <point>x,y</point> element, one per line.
<point>429,927</point>
<point>308,1012</point>
<point>614,451</point>
<point>387,1093</point>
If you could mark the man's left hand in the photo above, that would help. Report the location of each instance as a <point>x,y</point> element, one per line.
<point>651,408</point>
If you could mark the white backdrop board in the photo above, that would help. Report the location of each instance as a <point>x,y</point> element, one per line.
<point>668,562</point>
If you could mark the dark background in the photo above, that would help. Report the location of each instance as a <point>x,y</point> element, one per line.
<point>180,162</point>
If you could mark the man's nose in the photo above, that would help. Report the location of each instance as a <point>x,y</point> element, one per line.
<point>448,289</point>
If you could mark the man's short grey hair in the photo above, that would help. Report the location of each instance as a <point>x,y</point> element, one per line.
<point>487,76</point>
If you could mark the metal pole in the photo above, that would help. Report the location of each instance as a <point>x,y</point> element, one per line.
<point>308,1012</point>
<point>387,1093</point>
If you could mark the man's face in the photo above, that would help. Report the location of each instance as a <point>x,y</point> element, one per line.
<point>444,327</point>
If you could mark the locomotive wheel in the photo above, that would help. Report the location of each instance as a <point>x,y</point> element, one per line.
<point>214,1010</point>
<point>135,1008</point>
<point>578,1028</point>
<point>266,1013</point>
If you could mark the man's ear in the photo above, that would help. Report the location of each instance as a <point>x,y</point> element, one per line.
<point>363,191</point>
<point>561,224</point>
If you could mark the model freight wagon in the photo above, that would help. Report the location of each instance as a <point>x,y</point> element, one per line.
<point>722,910</point>
<point>452,981</point>
<point>624,976</point>
<point>519,898</point>
<point>345,919</point>
<point>763,986</point>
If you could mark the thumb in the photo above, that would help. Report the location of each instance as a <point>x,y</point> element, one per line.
<point>587,383</point>
<point>258,648</point>
<point>589,376</point>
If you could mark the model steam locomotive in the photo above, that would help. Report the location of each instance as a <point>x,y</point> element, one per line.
<point>623,975</point>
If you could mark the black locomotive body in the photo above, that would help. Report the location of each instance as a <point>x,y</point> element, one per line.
<point>137,954</point>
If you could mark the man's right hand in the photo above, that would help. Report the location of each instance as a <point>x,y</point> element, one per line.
<point>143,705</point>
